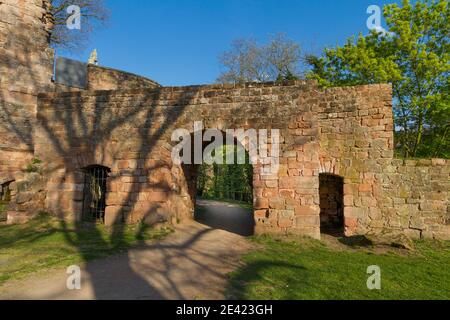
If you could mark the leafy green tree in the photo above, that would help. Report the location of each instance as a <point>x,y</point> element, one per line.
<point>414,56</point>
<point>226,181</point>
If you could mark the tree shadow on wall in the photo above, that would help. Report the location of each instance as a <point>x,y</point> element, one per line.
<point>74,132</point>
<point>92,129</point>
<point>70,129</point>
<point>120,281</point>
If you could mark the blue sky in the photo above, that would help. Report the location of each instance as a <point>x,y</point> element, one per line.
<point>177,42</point>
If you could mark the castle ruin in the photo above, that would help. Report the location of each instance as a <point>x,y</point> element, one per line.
<point>337,146</point>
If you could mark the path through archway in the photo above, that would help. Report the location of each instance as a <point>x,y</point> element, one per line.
<point>223,193</point>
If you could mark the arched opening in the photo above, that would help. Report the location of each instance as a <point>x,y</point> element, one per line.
<point>222,194</point>
<point>232,182</point>
<point>331,191</point>
<point>94,193</point>
<point>225,195</point>
<point>5,199</point>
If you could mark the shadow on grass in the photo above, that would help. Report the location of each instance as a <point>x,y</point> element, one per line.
<point>46,242</point>
<point>39,227</point>
<point>242,281</point>
<point>356,241</point>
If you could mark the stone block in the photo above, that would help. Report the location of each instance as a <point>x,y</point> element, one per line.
<point>306,211</point>
<point>307,221</point>
<point>261,203</point>
<point>113,215</point>
<point>277,203</point>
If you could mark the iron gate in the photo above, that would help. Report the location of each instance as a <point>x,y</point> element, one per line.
<point>94,199</point>
<point>5,198</point>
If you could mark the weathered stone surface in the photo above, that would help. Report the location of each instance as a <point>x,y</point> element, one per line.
<point>344,132</point>
<point>26,62</point>
<point>113,215</point>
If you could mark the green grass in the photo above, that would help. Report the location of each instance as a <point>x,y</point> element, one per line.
<point>309,269</point>
<point>46,243</point>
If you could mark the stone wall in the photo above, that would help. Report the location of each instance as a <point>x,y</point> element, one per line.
<point>26,62</point>
<point>130,132</point>
<point>346,132</point>
<point>416,198</point>
<point>357,143</point>
<point>25,70</point>
<point>28,194</point>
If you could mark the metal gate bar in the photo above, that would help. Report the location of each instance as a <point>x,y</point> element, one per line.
<point>94,202</point>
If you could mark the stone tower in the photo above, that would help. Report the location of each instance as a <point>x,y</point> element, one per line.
<point>26,64</point>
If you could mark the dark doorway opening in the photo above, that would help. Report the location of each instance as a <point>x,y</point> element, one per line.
<point>331,191</point>
<point>5,198</point>
<point>94,194</point>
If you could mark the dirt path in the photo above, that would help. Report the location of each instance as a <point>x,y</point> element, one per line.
<point>226,216</point>
<point>191,263</point>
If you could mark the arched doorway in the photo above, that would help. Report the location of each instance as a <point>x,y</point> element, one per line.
<point>225,195</point>
<point>331,191</point>
<point>222,193</point>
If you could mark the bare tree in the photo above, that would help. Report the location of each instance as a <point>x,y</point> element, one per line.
<point>247,61</point>
<point>244,62</point>
<point>93,14</point>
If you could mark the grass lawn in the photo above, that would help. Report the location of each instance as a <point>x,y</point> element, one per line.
<point>297,268</point>
<point>46,243</point>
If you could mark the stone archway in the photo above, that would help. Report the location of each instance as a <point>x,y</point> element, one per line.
<point>226,216</point>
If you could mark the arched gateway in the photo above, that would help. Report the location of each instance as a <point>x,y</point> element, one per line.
<point>125,123</point>
<point>343,135</point>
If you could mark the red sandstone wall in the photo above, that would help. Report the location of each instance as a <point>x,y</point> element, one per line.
<point>25,69</point>
<point>357,142</point>
<point>356,138</point>
<point>416,198</point>
<point>130,131</point>
<point>341,131</point>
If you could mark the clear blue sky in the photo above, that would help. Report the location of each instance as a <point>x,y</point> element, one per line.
<point>177,42</point>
